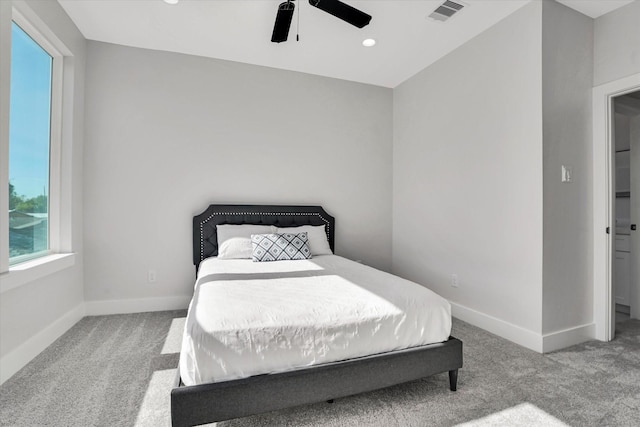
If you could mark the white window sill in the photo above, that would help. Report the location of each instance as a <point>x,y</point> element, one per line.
<point>35,269</point>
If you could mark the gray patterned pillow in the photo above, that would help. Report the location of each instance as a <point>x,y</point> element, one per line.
<point>279,247</point>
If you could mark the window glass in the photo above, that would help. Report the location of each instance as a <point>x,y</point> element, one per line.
<point>29,142</point>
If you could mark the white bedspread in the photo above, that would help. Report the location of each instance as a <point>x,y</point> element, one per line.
<point>248,318</point>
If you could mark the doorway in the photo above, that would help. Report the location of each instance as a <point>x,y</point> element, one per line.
<point>626,144</point>
<point>604,208</point>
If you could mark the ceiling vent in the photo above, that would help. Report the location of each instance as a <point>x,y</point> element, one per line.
<point>446,10</point>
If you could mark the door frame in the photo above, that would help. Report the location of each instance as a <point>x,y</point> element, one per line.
<point>603,202</point>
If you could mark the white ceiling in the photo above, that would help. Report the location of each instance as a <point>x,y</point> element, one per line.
<point>595,8</point>
<point>240,30</point>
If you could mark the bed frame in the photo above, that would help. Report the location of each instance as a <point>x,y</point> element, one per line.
<point>213,402</point>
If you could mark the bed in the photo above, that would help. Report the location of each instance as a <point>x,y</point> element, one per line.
<point>253,380</point>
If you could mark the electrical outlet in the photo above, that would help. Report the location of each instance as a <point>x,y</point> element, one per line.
<point>454,280</point>
<point>151,276</point>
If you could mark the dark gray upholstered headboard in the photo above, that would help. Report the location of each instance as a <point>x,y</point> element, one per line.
<point>205,239</point>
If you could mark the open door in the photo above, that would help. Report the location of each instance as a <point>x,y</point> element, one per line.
<point>612,271</point>
<point>634,237</point>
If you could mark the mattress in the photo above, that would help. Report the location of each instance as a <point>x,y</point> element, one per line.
<point>249,318</point>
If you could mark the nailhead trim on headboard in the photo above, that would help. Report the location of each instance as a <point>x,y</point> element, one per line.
<point>259,213</point>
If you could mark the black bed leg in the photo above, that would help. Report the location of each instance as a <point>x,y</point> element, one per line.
<point>330,401</point>
<point>453,380</point>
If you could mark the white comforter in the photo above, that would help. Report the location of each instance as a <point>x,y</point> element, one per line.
<point>248,318</point>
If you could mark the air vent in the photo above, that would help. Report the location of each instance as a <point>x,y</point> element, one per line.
<point>446,10</point>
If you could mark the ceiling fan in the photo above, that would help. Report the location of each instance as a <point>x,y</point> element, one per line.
<point>334,7</point>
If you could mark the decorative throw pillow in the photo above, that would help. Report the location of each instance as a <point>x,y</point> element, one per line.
<point>318,241</point>
<point>280,247</point>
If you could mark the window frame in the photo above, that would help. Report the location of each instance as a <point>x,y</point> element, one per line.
<point>58,243</point>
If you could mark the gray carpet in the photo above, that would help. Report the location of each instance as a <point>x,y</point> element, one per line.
<point>118,370</point>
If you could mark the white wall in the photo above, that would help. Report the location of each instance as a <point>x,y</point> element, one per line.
<point>567,55</point>
<point>168,134</point>
<point>34,314</point>
<point>617,44</point>
<point>467,170</point>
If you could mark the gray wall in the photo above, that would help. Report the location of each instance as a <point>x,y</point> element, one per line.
<point>27,310</point>
<point>167,134</point>
<point>567,55</point>
<point>467,194</point>
<point>617,44</point>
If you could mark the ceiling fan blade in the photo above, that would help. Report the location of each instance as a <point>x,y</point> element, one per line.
<point>343,11</point>
<point>283,22</point>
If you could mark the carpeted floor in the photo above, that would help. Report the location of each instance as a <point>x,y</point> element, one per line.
<point>118,370</point>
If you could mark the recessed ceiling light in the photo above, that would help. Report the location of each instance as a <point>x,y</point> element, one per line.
<point>368,42</point>
<point>171,1</point>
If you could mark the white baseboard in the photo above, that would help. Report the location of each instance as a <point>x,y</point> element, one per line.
<point>23,354</point>
<point>517,334</point>
<point>524,337</point>
<point>568,337</point>
<point>141,305</point>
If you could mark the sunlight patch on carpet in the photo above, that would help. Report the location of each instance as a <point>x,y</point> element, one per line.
<point>524,414</point>
<point>154,411</point>
<point>173,343</point>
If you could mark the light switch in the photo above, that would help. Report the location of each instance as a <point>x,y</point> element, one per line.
<point>567,173</point>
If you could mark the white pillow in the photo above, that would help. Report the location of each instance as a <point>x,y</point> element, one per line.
<point>318,241</point>
<point>234,240</point>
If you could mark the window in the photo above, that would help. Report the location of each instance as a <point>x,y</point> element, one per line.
<point>35,234</point>
<point>29,147</point>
